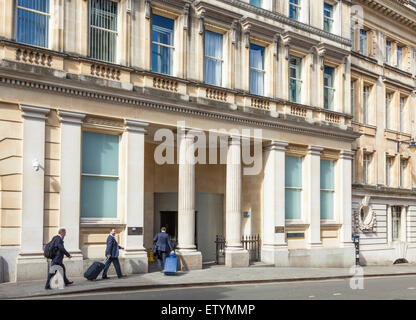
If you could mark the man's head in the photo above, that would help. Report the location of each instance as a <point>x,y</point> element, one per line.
<point>113,231</point>
<point>163,229</point>
<point>62,232</point>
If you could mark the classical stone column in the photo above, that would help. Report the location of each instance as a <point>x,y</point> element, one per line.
<point>134,148</point>
<point>31,264</point>
<point>344,196</point>
<point>274,249</point>
<point>70,186</point>
<point>190,258</point>
<point>313,195</point>
<point>235,255</point>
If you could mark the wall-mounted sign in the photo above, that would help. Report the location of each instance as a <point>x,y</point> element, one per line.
<point>296,235</point>
<point>135,231</point>
<point>279,229</point>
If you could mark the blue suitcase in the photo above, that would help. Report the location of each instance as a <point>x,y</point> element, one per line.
<point>171,264</point>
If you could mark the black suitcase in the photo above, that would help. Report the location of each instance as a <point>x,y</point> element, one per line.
<point>94,270</point>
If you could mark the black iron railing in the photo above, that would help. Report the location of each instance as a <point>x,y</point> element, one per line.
<point>220,249</point>
<point>252,244</point>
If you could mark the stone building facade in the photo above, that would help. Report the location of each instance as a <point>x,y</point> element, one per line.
<point>383,98</point>
<point>90,89</point>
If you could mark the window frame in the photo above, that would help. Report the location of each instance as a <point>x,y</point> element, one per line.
<point>296,80</point>
<point>170,47</point>
<point>364,44</point>
<point>261,71</point>
<point>367,159</point>
<point>298,10</point>
<point>396,216</point>
<point>402,111</point>
<point>388,101</point>
<point>389,167</point>
<point>330,18</point>
<point>117,218</point>
<point>330,191</point>
<point>295,188</point>
<point>222,60</point>
<point>50,21</point>
<point>333,89</point>
<point>117,38</point>
<point>366,102</point>
<point>403,173</point>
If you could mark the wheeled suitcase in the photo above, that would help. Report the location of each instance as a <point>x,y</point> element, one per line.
<point>94,270</point>
<point>171,264</point>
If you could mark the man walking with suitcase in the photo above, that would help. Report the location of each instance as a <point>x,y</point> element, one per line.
<point>58,243</point>
<point>162,246</point>
<point>112,253</point>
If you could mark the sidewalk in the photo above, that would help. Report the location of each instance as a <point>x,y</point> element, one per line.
<point>211,275</point>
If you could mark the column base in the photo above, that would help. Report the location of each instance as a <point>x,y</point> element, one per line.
<point>277,255</point>
<point>135,261</point>
<point>189,260</point>
<point>74,266</point>
<point>31,266</point>
<point>237,258</point>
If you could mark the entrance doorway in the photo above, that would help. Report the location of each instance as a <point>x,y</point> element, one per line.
<point>169,220</point>
<point>208,219</point>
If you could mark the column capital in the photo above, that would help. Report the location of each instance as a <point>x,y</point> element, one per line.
<point>34,112</point>
<point>71,117</point>
<point>276,146</point>
<point>315,151</point>
<point>346,155</point>
<point>234,140</point>
<point>135,126</point>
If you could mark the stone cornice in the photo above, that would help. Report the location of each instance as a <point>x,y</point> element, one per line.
<point>135,126</point>
<point>158,104</point>
<point>34,112</point>
<point>389,8</point>
<point>286,20</point>
<point>276,146</point>
<point>71,117</point>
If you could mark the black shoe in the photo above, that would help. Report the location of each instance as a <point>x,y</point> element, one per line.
<point>48,288</point>
<point>122,276</point>
<point>104,278</point>
<point>69,282</point>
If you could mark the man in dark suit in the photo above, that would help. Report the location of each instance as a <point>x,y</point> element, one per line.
<point>162,246</point>
<point>58,243</point>
<point>112,253</point>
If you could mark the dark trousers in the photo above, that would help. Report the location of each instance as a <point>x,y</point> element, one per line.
<point>50,275</point>
<point>161,257</point>
<point>116,264</point>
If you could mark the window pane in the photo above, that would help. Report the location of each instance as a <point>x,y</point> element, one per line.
<point>213,44</point>
<point>100,153</point>
<point>256,82</point>
<point>162,59</point>
<point>162,30</point>
<point>98,197</point>
<point>327,174</point>
<point>293,204</point>
<point>256,57</point>
<point>103,36</point>
<point>213,72</point>
<point>32,27</point>
<point>213,67</point>
<point>327,205</point>
<point>293,172</point>
<point>258,3</point>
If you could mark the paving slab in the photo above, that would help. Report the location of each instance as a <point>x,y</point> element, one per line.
<point>209,276</point>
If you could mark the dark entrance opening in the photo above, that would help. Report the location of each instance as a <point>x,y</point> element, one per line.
<point>169,220</point>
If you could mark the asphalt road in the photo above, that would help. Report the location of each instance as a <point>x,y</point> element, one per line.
<point>388,288</point>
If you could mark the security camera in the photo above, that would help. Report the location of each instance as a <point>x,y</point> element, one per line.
<point>36,165</point>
